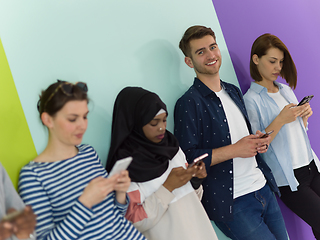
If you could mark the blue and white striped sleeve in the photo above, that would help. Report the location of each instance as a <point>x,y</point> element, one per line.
<point>122,207</point>
<point>33,193</point>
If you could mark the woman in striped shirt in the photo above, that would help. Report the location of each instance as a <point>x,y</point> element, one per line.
<point>66,185</point>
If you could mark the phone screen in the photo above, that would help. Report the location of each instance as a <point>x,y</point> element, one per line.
<point>305,100</point>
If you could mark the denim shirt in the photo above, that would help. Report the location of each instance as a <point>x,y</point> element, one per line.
<point>200,124</point>
<point>262,110</point>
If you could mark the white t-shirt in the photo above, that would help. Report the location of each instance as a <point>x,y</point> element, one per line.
<point>247,177</point>
<point>297,145</point>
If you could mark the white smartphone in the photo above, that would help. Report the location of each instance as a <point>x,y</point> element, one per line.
<point>120,165</point>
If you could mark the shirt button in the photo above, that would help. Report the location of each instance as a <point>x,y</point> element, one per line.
<point>230,171</point>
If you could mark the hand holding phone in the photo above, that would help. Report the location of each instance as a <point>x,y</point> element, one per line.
<point>305,100</point>
<point>267,134</point>
<point>197,161</point>
<point>23,222</point>
<point>120,165</point>
<point>11,216</point>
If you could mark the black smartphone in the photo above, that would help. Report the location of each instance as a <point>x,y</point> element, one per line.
<point>305,100</point>
<point>266,134</point>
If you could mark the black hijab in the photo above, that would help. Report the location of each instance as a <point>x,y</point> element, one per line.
<point>134,108</point>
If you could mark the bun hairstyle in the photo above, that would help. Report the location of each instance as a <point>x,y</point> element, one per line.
<point>58,94</point>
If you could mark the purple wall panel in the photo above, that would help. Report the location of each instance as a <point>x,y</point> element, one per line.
<point>296,23</point>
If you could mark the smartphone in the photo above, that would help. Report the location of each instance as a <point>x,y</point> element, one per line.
<point>11,216</point>
<point>197,161</point>
<point>120,165</point>
<point>266,134</point>
<point>305,100</point>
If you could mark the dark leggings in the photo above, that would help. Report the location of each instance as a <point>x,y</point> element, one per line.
<point>306,201</point>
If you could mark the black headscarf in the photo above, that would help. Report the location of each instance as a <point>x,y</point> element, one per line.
<point>134,108</point>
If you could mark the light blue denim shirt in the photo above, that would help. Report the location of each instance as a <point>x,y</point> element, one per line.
<point>262,110</point>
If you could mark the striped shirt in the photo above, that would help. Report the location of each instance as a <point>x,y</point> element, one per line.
<point>53,189</point>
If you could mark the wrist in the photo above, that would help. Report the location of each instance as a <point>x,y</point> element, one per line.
<point>170,189</point>
<point>279,121</point>
<point>85,202</point>
<point>24,235</point>
<point>121,197</point>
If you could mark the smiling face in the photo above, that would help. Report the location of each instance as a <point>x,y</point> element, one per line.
<point>156,128</point>
<point>69,124</point>
<point>269,65</point>
<point>205,56</point>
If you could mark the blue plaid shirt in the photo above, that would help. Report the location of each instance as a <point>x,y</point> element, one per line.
<point>200,124</point>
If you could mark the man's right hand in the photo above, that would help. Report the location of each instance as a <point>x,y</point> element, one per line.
<point>249,146</point>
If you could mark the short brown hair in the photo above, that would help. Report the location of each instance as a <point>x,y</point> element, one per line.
<point>260,47</point>
<point>194,32</point>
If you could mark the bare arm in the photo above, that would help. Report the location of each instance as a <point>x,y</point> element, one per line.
<point>246,147</point>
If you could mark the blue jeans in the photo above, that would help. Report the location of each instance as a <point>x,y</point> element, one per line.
<point>256,216</point>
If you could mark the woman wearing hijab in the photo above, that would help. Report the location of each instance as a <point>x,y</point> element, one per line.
<point>163,203</point>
